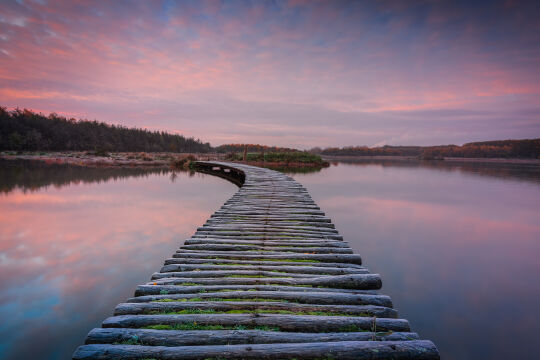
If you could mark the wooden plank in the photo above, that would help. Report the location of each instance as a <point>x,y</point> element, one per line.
<point>248,306</point>
<point>334,258</point>
<point>328,298</point>
<point>352,281</point>
<point>150,337</point>
<point>151,289</point>
<point>268,262</point>
<point>283,268</point>
<point>343,350</point>
<point>297,323</point>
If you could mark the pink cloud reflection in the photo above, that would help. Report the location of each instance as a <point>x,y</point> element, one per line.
<point>68,255</point>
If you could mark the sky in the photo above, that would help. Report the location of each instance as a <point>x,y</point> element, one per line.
<point>297,73</point>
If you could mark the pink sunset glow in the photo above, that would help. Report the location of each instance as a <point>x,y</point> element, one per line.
<point>290,73</point>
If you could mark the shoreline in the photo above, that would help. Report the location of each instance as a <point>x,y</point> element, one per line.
<point>518,161</point>
<point>139,159</point>
<point>127,159</point>
<point>165,160</point>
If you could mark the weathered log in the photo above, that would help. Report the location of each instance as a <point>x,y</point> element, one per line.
<point>229,273</point>
<point>322,298</point>
<point>276,218</point>
<point>254,306</point>
<point>296,199</point>
<point>300,208</point>
<point>235,220</point>
<point>316,237</point>
<point>262,235</point>
<point>307,219</point>
<point>267,236</point>
<point>281,226</point>
<point>260,225</point>
<point>151,289</point>
<point>288,235</point>
<point>150,337</point>
<point>266,229</point>
<point>343,350</point>
<point>287,269</point>
<point>298,323</point>
<point>240,195</point>
<point>250,199</point>
<point>334,258</point>
<point>225,247</point>
<point>293,243</point>
<point>293,199</point>
<point>254,210</point>
<point>313,221</point>
<point>243,195</point>
<point>352,281</point>
<point>274,263</point>
<point>284,196</point>
<point>249,252</point>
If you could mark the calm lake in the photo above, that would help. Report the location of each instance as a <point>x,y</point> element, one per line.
<point>457,245</point>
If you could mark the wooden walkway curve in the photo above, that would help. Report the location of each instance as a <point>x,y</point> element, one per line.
<point>267,277</point>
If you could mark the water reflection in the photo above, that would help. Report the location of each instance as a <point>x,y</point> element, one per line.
<point>70,252</point>
<point>457,246</point>
<point>296,170</point>
<point>28,175</point>
<point>526,170</point>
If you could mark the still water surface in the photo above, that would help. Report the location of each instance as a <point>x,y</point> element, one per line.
<point>457,246</point>
<point>73,249</point>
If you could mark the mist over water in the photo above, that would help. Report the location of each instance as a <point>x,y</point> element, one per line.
<point>456,245</point>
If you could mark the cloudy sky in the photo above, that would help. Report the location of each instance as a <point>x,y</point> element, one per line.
<point>295,73</point>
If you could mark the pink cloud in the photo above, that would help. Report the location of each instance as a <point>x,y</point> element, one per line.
<point>101,60</point>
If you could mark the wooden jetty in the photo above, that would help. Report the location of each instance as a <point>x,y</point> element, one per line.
<point>267,277</point>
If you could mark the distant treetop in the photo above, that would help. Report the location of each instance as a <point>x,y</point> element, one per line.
<point>27,130</point>
<point>24,130</point>
<point>529,148</point>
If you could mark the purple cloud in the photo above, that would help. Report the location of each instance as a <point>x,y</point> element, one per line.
<point>295,73</point>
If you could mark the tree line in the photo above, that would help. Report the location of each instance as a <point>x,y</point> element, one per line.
<point>24,130</point>
<point>529,148</point>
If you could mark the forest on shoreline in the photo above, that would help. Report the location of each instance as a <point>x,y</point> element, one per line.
<point>25,130</point>
<point>525,149</point>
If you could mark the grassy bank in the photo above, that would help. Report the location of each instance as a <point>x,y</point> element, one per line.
<point>105,159</point>
<point>291,162</point>
<point>280,160</point>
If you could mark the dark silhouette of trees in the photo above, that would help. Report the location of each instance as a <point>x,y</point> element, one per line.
<point>529,148</point>
<point>26,130</point>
